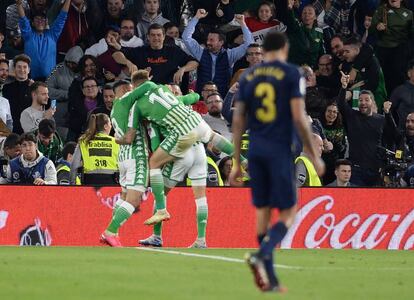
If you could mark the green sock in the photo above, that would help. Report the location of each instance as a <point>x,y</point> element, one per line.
<point>157,227</point>
<point>157,185</point>
<point>122,213</point>
<point>202,216</point>
<point>225,146</point>
<point>117,204</point>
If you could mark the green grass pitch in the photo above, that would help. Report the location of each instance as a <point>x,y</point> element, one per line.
<point>106,273</point>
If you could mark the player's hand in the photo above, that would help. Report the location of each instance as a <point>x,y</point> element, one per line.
<point>381,26</point>
<point>39,181</point>
<point>201,13</point>
<point>344,80</point>
<point>240,19</point>
<point>178,76</point>
<point>387,106</point>
<point>235,177</point>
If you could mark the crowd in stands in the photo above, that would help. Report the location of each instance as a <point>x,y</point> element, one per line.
<point>60,59</point>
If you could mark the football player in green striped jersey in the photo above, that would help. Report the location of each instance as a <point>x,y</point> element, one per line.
<point>185,127</point>
<point>193,164</point>
<point>132,160</point>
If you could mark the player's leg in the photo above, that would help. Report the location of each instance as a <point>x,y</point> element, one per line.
<point>172,147</point>
<point>261,187</point>
<point>225,146</point>
<point>135,182</point>
<point>283,196</point>
<point>198,175</point>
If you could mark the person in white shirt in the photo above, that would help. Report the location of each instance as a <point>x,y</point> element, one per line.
<point>31,116</point>
<point>5,113</point>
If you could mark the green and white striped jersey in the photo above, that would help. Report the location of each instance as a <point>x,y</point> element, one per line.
<point>123,116</point>
<point>158,105</point>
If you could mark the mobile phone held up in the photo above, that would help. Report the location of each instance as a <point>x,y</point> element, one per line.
<point>53,104</point>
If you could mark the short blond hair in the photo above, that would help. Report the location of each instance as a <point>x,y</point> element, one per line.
<point>139,77</point>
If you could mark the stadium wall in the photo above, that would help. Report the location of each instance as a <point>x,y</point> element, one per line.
<point>328,218</point>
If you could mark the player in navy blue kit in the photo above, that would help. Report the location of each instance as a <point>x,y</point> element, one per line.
<point>270,102</point>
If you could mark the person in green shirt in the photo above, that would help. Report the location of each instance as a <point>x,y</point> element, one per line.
<point>394,28</point>
<point>306,39</point>
<point>49,142</point>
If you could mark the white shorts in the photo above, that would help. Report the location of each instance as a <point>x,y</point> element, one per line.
<point>194,163</point>
<point>177,145</point>
<point>133,174</point>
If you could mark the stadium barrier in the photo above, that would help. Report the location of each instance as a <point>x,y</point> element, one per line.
<point>327,218</point>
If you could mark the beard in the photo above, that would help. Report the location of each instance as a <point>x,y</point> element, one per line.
<point>215,114</point>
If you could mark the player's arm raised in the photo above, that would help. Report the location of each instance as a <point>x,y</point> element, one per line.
<point>238,128</point>
<point>300,119</point>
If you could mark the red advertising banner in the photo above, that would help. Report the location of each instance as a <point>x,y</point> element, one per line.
<point>327,218</point>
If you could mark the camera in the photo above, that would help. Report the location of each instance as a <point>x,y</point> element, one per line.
<point>395,165</point>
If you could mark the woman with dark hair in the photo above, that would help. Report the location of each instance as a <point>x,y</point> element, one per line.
<point>81,105</point>
<point>335,133</point>
<point>305,37</point>
<point>97,152</point>
<point>225,166</point>
<point>264,21</point>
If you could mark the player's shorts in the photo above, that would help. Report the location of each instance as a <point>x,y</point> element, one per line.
<point>194,163</point>
<point>133,174</point>
<point>177,145</point>
<point>272,179</point>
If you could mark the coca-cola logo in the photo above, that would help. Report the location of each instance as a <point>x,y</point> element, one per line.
<point>350,231</point>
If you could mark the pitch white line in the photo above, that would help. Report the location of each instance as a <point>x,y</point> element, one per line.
<point>237,260</point>
<point>215,257</point>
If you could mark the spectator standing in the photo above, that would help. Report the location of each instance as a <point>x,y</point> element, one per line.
<point>151,15</point>
<point>343,173</point>
<point>58,84</point>
<point>82,25</point>
<point>306,39</point>
<point>335,133</point>
<point>394,26</point>
<point>31,167</point>
<point>166,63</point>
<point>402,98</point>
<point>326,76</point>
<point>316,97</point>
<point>18,91</point>
<point>264,21</point>
<point>365,65</point>
<point>364,131</point>
<point>216,62</point>
<point>31,116</point>
<point>39,42</point>
<point>49,142</point>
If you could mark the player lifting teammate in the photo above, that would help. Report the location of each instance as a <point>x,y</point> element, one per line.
<point>270,102</point>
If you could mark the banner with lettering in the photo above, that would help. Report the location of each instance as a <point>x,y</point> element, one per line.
<point>327,218</point>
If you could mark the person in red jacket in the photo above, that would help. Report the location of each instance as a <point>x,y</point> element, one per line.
<point>264,22</point>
